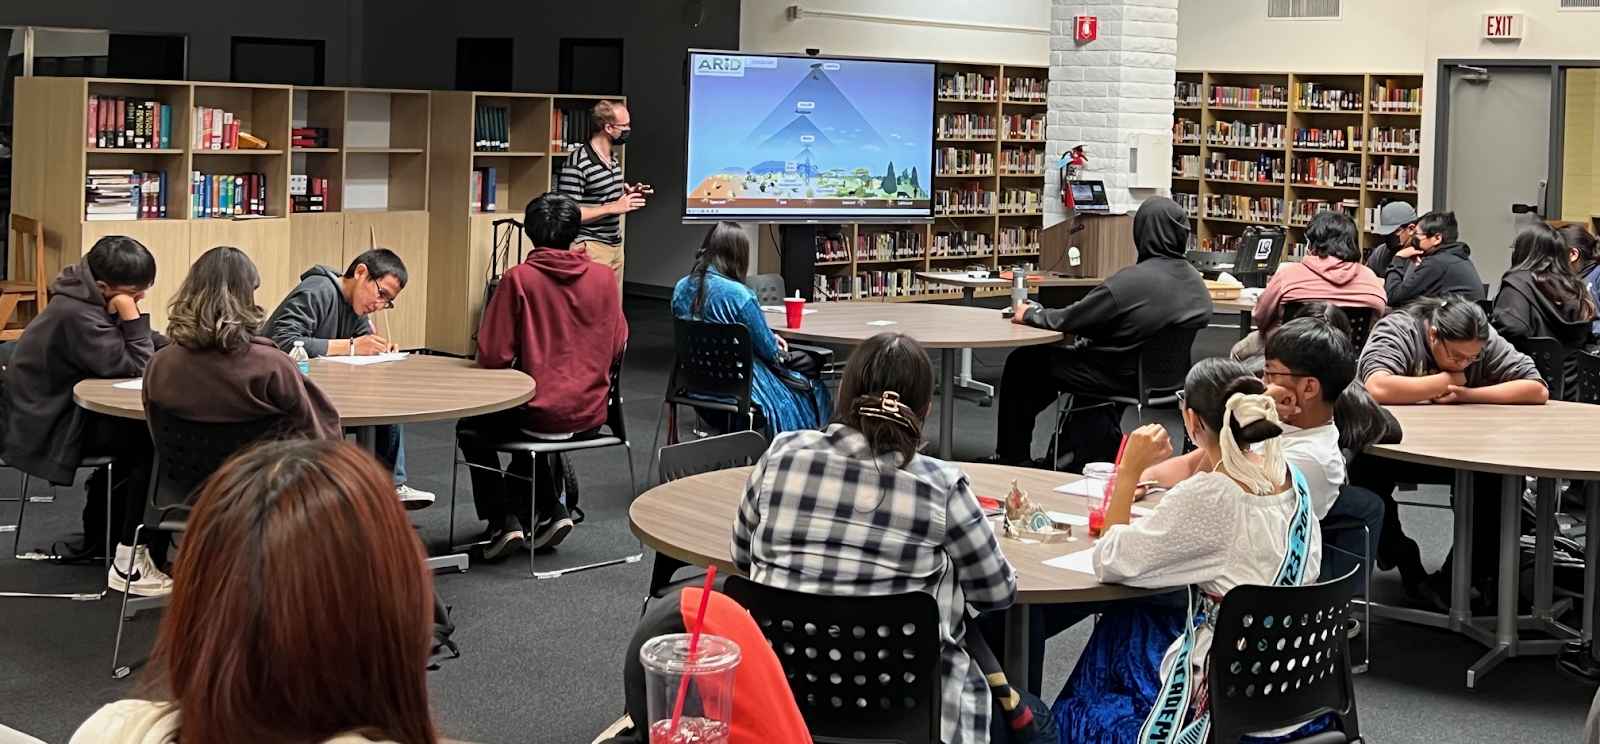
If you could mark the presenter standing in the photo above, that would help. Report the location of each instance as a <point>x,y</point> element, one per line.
<point>593,176</point>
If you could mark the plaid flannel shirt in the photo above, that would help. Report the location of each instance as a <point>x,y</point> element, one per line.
<point>822,514</point>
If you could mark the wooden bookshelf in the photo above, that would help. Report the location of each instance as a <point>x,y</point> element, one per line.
<point>1028,103</point>
<point>1216,112</point>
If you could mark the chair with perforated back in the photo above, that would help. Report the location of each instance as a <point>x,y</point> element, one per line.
<point>712,370</point>
<point>1164,361</point>
<point>1588,378</point>
<point>769,289</point>
<point>613,433</point>
<point>693,458</point>
<point>1360,321</point>
<point>1551,359</point>
<point>1280,657</point>
<point>862,669</point>
<point>187,453</point>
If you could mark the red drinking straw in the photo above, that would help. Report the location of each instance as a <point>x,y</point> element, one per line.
<point>694,646</point>
<point>1120,449</point>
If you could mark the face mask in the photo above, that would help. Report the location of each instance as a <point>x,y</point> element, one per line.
<point>622,139</point>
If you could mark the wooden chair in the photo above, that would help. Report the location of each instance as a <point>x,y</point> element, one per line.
<point>20,295</point>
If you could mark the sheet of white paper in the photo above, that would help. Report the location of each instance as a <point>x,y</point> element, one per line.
<point>881,322</point>
<point>1076,488</point>
<point>131,384</point>
<point>361,361</point>
<point>776,309</point>
<point>1138,511</point>
<point>1081,561</point>
<point>1071,519</point>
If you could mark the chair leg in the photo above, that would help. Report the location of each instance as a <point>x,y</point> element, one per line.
<point>455,470</point>
<point>22,506</point>
<point>633,485</point>
<point>1366,607</point>
<point>118,671</point>
<point>111,478</point>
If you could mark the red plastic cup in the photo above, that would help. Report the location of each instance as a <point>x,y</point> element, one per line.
<point>1101,478</point>
<point>794,309</point>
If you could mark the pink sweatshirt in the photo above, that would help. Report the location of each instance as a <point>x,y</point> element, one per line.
<point>1344,283</point>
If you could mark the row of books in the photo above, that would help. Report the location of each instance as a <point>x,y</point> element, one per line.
<point>1020,201</point>
<point>1325,172</point>
<point>123,122</point>
<point>894,245</point>
<point>1022,161</point>
<point>216,129</point>
<point>491,129</point>
<point>1186,131</point>
<point>1319,97</point>
<point>1189,202</point>
<point>966,126</point>
<point>1245,134</point>
<point>1247,208</point>
<point>1328,138</point>
<point>867,284</point>
<point>1015,241</point>
<point>220,195</point>
<point>831,248</point>
<point>308,194</point>
<point>569,129</point>
<point>1266,168</point>
<point>968,86</point>
<point>950,161</point>
<point>1266,96</point>
<point>1390,96</point>
<point>309,137</point>
<point>1302,210</point>
<point>1392,139</point>
<point>1019,127</point>
<point>961,243</point>
<point>1186,166</point>
<point>124,194</point>
<point>1220,243</point>
<point>1027,89</point>
<point>1187,94</point>
<point>485,189</point>
<point>968,199</point>
<point>1391,177</point>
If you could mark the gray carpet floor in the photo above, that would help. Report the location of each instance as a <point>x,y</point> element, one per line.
<point>542,660</point>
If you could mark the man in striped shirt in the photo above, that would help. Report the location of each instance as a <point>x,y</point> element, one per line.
<point>593,176</point>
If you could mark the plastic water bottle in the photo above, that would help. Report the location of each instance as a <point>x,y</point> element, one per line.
<point>300,357</point>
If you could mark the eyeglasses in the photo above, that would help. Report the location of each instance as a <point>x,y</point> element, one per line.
<point>1268,373</point>
<point>1182,400</point>
<point>383,294</point>
<point>1461,359</point>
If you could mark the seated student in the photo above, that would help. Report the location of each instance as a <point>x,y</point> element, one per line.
<point>1331,271</point>
<point>1159,292</point>
<point>328,312</point>
<point>1435,263</point>
<point>715,292</point>
<point>334,648</point>
<point>217,368</point>
<point>555,317</point>
<point>854,509</point>
<point>1440,350</point>
<point>1397,223</point>
<point>92,328</point>
<point>1585,260</point>
<point>1541,297</point>
<point>1250,520</point>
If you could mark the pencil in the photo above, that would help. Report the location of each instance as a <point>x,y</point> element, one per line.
<point>386,329</point>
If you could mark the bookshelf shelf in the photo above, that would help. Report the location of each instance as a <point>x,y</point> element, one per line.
<point>1331,150</point>
<point>966,139</point>
<point>969,100</point>
<point>238,151</point>
<point>384,150</point>
<point>133,151</point>
<point>1241,182</point>
<point>965,175</point>
<point>317,150</point>
<point>1011,102</point>
<point>509,154</point>
<point>1324,186</point>
<point>1216,146</point>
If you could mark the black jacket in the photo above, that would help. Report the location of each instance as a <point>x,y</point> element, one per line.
<point>1448,269</point>
<point>1522,310</point>
<point>316,311</point>
<point>75,339</point>
<point>1160,291</point>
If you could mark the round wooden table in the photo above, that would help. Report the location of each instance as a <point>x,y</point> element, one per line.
<point>1555,440</point>
<point>691,519</point>
<point>947,328</point>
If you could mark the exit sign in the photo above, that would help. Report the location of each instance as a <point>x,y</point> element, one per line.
<point>1501,26</point>
<point>1086,28</point>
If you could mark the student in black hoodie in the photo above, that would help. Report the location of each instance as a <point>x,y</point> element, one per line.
<point>1160,291</point>
<point>1436,263</point>
<point>1541,297</point>
<point>92,328</point>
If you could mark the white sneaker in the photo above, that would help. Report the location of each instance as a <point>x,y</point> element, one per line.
<point>412,499</point>
<point>144,580</point>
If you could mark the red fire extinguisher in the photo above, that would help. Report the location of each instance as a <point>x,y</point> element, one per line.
<point>1069,166</point>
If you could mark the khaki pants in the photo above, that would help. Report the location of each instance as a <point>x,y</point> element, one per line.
<point>605,253</point>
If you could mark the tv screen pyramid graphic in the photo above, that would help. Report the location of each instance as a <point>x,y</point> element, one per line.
<point>809,138</point>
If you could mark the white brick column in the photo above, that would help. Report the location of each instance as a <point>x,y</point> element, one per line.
<point>1104,91</point>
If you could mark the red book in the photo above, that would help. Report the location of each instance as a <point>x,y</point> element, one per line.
<point>94,120</point>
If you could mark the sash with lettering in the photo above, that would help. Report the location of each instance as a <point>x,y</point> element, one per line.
<point>1165,724</point>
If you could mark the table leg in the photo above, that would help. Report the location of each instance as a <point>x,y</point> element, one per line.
<point>970,294</point>
<point>367,437</point>
<point>947,402</point>
<point>1544,557</point>
<point>1245,319</point>
<point>1461,579</point>
<point>1505,645</point>
<point>1015,659</point>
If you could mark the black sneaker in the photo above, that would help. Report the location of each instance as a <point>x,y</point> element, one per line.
<point>552,528</point>
<point>504,540</point>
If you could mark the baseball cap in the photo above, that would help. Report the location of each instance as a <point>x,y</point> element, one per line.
<point>1393,216</point>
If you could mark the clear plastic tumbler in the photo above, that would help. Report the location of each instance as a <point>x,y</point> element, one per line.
<point>708,705</point>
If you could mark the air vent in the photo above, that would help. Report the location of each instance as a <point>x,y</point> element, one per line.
<point>1580,4</point>
<point>1278,10</point>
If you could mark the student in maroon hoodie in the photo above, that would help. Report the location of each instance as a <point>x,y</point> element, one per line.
<point>558,318</point>
<point>1331,272</point>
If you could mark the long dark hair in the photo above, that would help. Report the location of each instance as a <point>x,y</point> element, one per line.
<point>1209,385</point>
<point>1540,251</point>
<point>1581,240</point>
<point>726,249</point>
<point>886,389</point>
<point>215,308</point>
<point>1452,317</point>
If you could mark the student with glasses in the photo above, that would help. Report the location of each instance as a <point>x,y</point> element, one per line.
<point>330,313</point>
<point>1439,350</point>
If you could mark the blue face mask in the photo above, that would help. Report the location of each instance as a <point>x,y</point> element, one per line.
<point>622,137</point>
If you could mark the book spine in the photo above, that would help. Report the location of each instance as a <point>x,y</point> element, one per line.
<point>161,188</point>
<point>94,120</point>
<point>489,203</point>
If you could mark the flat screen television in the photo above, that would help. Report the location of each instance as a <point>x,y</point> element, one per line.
<point>796,138</point>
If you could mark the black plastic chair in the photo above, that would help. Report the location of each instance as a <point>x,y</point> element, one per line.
<point>613,433</point>
<point>1210,262</point>
<point>1280,657</point>
<point>1551,359</point>
<point>734,450</point>
<point>1164,361</point>
<point>187,453</point>
<point>1350,524</point>
<point>769,289</point>
<point>1588,378</point>
<point>1487,305</point>
<point>711,360</point>
<point>862,669</point>
<point>1360,321</point>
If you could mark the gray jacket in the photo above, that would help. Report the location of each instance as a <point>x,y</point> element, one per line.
<point>315,312</point>
<point>1399,345</point>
